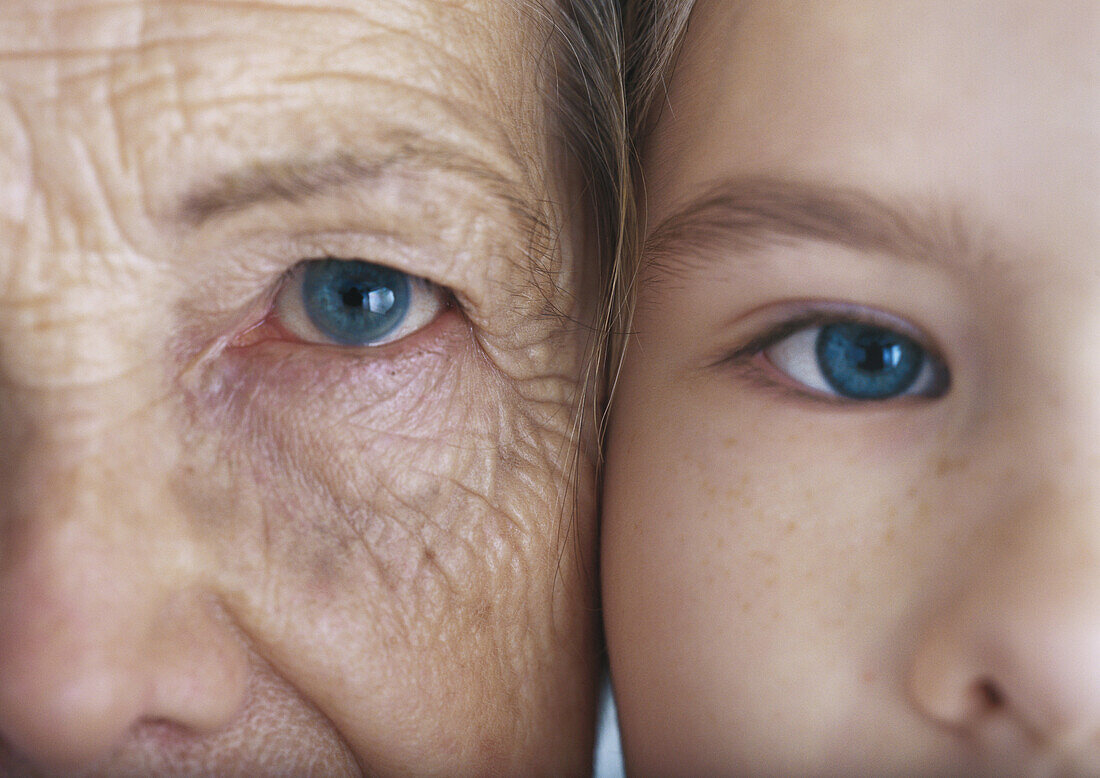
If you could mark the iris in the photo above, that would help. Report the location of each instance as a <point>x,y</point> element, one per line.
<point>865,362</point>
<point>354,303</point>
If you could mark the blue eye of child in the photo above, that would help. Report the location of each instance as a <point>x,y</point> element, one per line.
<point>864,362</point>
<point>855,360</point>
<point>354,303</point>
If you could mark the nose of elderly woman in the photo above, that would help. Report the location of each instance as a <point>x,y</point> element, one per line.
<point>106,624</point>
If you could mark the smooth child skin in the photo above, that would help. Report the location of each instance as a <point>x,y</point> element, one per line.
<point>800,584</point>
<point>227,546</point>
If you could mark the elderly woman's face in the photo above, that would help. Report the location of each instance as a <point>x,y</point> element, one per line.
<point>285,395</point>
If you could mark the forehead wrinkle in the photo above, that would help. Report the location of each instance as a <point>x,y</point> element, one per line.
<point>16,164</point>
<point>750,214</point>
<point>507,171</point>
<point>145,57</point>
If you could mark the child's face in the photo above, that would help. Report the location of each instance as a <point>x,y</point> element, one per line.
<point>898,204</point>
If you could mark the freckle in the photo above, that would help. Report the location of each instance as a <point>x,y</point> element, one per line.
<point>791,527</point>
<point>868,676</point>
<point>484,612</point>
<point>889,536</point>
<point>325,570</point>
<point>729,442</point>
<point>766,558</point>
<point>854,585</point>
<point>945,465</point>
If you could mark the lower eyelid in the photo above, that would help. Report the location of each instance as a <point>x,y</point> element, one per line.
<point>759,374</point>
<point>272,332</point>
<point>287,378</point>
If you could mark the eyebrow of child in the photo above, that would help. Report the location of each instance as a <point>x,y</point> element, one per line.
<point>747,214</point>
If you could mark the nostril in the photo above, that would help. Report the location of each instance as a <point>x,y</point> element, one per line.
<point>990,694</point>
<point>162,736</point>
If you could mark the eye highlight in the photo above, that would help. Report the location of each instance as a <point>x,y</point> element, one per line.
<point>350,302</point>
<point>854,360</point>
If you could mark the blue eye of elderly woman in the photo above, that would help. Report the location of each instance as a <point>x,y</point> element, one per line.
<point>354,302</point>
<point>351,302</point>
<point>858,361</point>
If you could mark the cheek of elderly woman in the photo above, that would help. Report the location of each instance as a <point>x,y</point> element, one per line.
<point>286,393</point>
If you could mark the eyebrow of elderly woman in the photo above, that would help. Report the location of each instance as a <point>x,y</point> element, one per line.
<point>294,307</point>
<point>296,178</point>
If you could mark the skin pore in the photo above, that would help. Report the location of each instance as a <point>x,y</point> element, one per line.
<point>227,545</point>
<point>800,583</point>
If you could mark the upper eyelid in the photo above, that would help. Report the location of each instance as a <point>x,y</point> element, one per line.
<point>820,313</point>
<point>253,263</point>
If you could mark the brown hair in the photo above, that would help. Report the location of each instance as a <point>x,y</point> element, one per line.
<point>590,105</point>
<point>652,30</point>
<point>613,59</point>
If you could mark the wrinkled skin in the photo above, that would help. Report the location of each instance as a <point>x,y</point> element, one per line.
<point>224,550</point>
<point>800,586</point>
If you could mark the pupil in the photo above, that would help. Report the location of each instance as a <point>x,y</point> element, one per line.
<point>877,356</point>
<point>353,298</point>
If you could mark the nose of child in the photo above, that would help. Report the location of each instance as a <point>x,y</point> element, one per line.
<point>1016,648</point>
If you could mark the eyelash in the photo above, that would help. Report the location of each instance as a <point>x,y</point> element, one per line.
<point>754,363</point>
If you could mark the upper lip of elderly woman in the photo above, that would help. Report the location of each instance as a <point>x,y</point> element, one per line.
<point>286,432</point>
